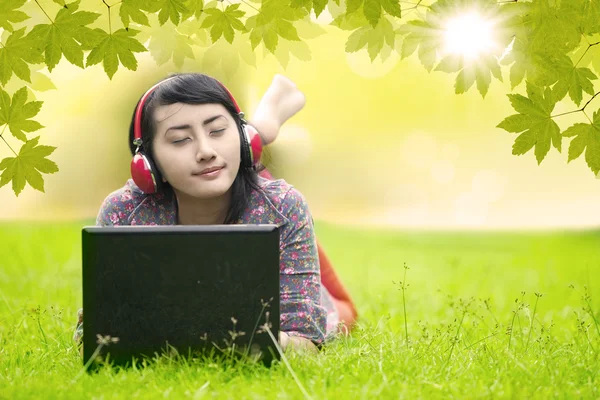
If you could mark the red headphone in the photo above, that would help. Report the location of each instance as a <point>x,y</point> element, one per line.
<point>144,171</point>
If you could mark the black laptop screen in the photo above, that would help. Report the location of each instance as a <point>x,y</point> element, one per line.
<point>185,286</point>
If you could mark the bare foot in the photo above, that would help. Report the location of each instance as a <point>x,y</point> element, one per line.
<point>280,102</point>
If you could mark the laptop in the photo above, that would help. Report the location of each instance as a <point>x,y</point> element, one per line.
<point>193,289</point>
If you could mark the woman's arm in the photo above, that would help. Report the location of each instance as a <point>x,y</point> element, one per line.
<point>296,343</point>
<point>303,318</point>
<point>280,102</point>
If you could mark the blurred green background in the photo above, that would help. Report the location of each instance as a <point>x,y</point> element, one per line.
<point>380,144</point>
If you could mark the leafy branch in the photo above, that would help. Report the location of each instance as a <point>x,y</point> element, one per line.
<point>548,45</point>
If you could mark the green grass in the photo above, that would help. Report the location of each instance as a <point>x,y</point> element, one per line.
<point>474,329</point>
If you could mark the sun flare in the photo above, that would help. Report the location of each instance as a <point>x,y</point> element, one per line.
<point>469,35</point>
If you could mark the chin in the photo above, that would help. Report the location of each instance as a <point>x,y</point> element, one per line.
<point>207,190</point>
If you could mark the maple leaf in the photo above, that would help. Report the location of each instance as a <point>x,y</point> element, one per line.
<point>194,8</point>
<point>537,42</point>
<point>171,9</point>
<point>39,81</point>
<point>223,23</point>
<point>169,43</point>
<point>14,56</point>
<point>9,13</point>
<point>427,37</point>
<point>226,57</point>
<point>68,35</point>
<point>572,80</point>
<point>350,21</point>
<point>119,44</point>
<point>587,137</point>
<point>317,5</point>
<point>134,10</point>
<point>26,167</point>
<point>307,29</point>
<point>285,48</point>
<point>588,52</point>
<point>582,15</point>
<point>526,62</point>
<point>17,113</point>
<point>535,120</point>
<point>273,21</point>
<point>372,9</point>
<point>472,71</point>
<point>373,38</point>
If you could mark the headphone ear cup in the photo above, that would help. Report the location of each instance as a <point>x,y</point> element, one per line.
<point>255,143</point>
<point>251,145</point>
<point>246,155</point>
<point>144,173</point>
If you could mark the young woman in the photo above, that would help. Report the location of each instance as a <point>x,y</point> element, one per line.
<point>197,161</point>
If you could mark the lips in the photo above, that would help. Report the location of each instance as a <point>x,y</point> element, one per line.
<point>207,170</point>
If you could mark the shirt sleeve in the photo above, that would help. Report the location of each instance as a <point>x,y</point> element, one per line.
<point>302,313</point>
<point>112,211</point>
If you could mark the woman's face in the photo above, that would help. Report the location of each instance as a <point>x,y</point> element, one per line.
<point>191,138</point>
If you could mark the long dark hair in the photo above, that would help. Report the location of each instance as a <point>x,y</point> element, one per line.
<point>196,88</point>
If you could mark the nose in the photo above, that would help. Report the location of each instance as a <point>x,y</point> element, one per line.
<point>204,150</point>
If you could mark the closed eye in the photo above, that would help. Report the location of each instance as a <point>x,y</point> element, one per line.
<point>218,132</point>
<point>180,141</point>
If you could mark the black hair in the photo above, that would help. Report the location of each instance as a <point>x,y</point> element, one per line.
<point>196,88</point>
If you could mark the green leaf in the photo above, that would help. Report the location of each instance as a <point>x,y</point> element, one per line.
<point>586,137</point>
<point>26,167</point>
<point>135,10</point>
<point>9,13</point>
<point>286,30</point>
<point>583,15</point>
<point>544,34</point>
<point>302,3</point>
<point>41,82</point>
<point>166,43</point>
<point>194,8</point>
<point>571,80</point>
<point>533,118</point>
<point>427,37</point>
<point>69,35</point>
<point>287,48</point>
<point>575,83</point>
<point>470,72</point>
<point>223,23</point>
<point>372,10</point>
<point>550,27</point>
<point>17,113</point>
<point>14,56</point>
<point>226,57</point>
<point>591,21</point>
<point>317,5</point>
<point>353,5</point>
<point>308,29</point>
<point>274,20</point>
<point>350,21</point>
<point>171,9</point>
<point>536,66</point>
<point>588,53</point>
<point>516,123</point>
<point>115,47</point>
<point>392,7</point>
<point>373,38</point>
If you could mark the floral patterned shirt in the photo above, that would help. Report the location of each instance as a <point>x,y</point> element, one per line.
<point>306,308</point>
